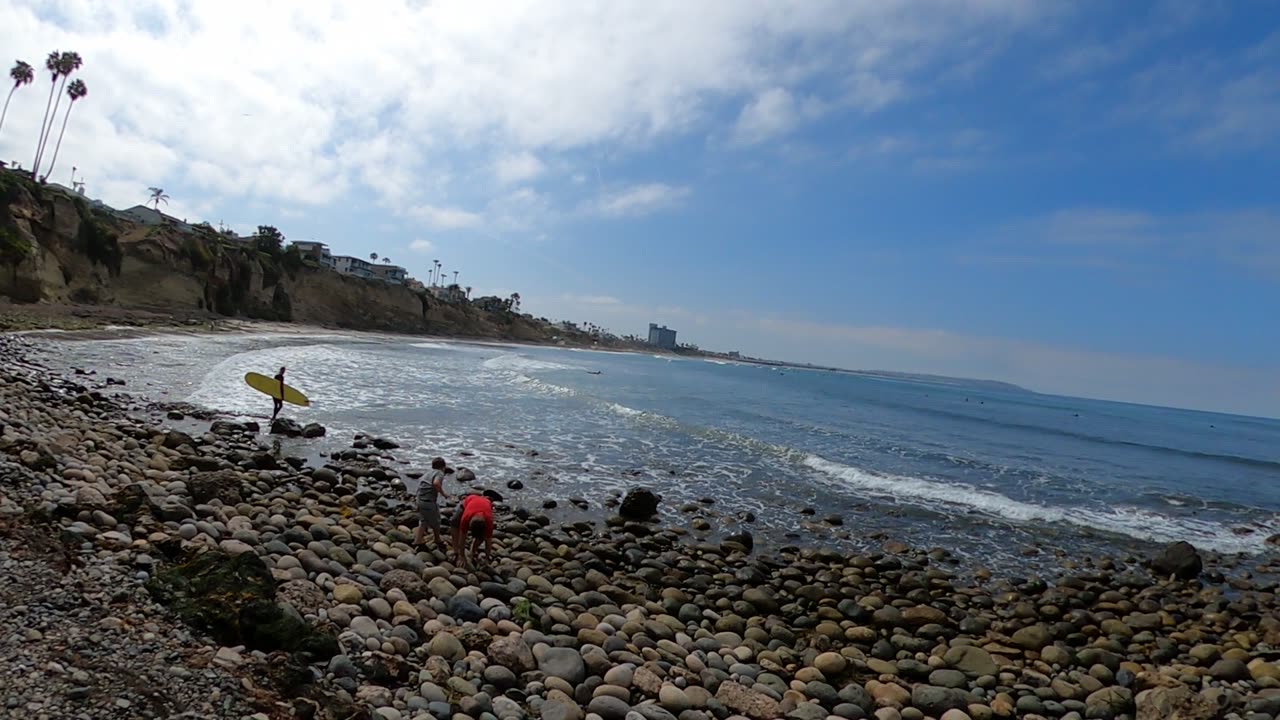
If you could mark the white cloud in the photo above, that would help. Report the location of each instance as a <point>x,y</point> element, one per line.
<point>445,218</point>
<point>422,246</point>
<point>518,167</point>
<point>422,89</point>
<point>775,112</point>
<point>772,112</point>
<point>640,200</point>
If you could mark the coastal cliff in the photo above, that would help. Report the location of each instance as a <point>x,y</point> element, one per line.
<point>56,248</point>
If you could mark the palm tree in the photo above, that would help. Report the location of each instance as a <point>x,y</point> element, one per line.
<point>435,277</point>
<point>75,91</point>
<point>386,260</point>
<point>158,196</point>
<point>67,63</point>
<point>22,74</point>
<point>455,277</point>
<point>52,63</point>
<point>373,256</point>
<point>468,292</point>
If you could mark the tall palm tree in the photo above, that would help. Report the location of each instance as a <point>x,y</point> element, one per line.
<point>434,270</point>
<point>158,196</point>
<point>468,292</point>
<point>52,63</point>
<point>75,91</point>
<point>455,277</point>
<point>22,74</point>
<point>68,62</point>
<point>373,256</point>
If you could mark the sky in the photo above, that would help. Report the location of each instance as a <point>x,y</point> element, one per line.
<point>1078,197</point>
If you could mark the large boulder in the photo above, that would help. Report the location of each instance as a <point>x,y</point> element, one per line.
<point>231,427</point>
<point>410,583</point>
<point>286,427</point>
<point>223,485</point>
<point>1174,703</point>
<point>174,439</point>
<point>563,663</point>
<point>512,653</point>
<point>233,599</point>
<point>1179,560</point>
<point>313,430</point>
<point>747,701</point>
<point>639,504</point>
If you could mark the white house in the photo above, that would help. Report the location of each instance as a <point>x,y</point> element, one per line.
<point>393,274</point>
<point>148,216</point>
<point>317,251</point>
<point>354,266</point>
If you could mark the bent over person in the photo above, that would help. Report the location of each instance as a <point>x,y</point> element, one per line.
<point>473,515</point>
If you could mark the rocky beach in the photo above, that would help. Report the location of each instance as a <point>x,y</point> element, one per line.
<point>152,572</point>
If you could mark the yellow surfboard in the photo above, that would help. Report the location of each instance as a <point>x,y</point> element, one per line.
<point>271,386</point>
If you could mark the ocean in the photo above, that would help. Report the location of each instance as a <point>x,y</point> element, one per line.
<point>996,476</point>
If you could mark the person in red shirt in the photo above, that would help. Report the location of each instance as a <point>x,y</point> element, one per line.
<point>473,515</point>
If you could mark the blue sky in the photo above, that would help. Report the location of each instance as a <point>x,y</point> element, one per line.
<point>1080,197</point>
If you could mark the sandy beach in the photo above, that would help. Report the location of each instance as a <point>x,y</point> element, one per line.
<point>150,572</point>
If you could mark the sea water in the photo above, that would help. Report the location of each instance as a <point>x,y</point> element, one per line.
<point>991,474</point>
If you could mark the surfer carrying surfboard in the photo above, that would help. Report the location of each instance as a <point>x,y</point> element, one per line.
<point>278,402</point>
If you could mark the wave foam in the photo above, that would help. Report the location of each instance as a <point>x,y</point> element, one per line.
<point>520,364</point>
<point>624,410</point>
<point>1131,522</point>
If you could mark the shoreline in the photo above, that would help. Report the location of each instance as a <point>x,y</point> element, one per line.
<point>609,618</point>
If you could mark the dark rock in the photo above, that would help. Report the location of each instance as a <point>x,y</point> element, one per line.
<point>1179,560</point>
<point>175,439</point>
<point>464,475</point>
<point>935,701</point>
<point>1229,671</point>
<point>286,427</point>
<point>639,504</point>
<point>743,538</point>
<point>385,444</point>
<point>230,427</point>
<point>515,485</point>
<point>313,430</point>
<point>460,608</point>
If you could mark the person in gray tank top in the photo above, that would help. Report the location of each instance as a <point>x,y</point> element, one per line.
<point>430,489</point>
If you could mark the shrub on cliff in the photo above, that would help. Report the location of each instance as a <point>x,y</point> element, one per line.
<point>100,245</point>
<point>198,253</point>
<point>13,248</point>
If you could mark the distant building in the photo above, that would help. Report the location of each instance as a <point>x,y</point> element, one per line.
<point>147,216</point>
<point>354,266</point>
<point>316,251</point>
<point>735,354</point>
<point>662,336</point>
<point>393,274</point>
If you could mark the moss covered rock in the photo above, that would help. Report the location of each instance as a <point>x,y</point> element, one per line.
<point>233,599</point>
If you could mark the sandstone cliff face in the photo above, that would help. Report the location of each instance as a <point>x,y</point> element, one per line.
<point>60,250</point>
